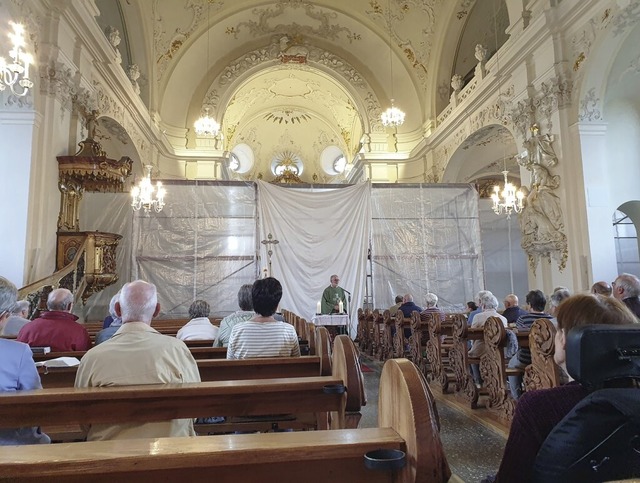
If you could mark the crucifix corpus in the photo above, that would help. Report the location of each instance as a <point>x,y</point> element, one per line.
<point>269,242</point>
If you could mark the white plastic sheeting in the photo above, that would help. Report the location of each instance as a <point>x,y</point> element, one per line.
<point>426,238</point>
<point>320,233</point>
<point>206,243</point>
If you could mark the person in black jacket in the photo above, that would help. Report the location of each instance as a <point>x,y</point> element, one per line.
<point>627,288</point>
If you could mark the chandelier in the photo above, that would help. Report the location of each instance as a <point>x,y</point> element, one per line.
<point>392,117</point>
<point>142,194</point>
<point>508,200</point>
<point>17,71</point>
<point>206,125</point>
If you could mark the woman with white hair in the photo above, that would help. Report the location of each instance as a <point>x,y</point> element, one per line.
<point>17,371</point>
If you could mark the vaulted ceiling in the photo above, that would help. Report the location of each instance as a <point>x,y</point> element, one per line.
<point>295,76</point>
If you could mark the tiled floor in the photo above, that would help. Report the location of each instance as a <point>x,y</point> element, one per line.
<point>473,449</point>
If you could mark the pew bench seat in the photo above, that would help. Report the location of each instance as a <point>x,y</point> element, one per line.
<point>315,457</point>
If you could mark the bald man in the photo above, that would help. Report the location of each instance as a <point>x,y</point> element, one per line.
<point>57,327</point>
<point>138,354</point>
<point>511,308</point>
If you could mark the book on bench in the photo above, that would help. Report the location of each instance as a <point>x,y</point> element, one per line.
<point>40,350</point>
<point>60,362</point>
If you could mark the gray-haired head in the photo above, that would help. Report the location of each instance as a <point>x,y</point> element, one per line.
<point>244,297</point>
<point>60,299</point>
<point>601,288</point>
<point>138,302</point>
<point>21,306</point>
<point>481,294</point>
<point>8,296</point>
<point>407,298</point>
<point>431,299</point>
<point>630,285</point>
<point>489,301</point>
<point>199,308</point>
<point>559,294</point>
<point>112,305</point>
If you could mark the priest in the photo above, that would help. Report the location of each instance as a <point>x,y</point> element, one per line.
<point>334,300</point>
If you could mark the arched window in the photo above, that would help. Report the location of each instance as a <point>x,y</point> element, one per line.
<point>241,158</point>
<point>333,160</point>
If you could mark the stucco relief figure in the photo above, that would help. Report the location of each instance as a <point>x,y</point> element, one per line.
<point>291,52</point>
<point>134,74</point>
<point>541,219</point>
<point>540,149</point>
<point>113,35</point>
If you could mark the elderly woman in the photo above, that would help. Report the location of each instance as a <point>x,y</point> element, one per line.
<point>538,412</point>
<point>199,327</point>
<point>17,371</point>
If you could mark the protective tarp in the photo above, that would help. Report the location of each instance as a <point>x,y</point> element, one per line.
<point>202,245</point>
<point>205,243</point>
<point>320,233</point>
<point>110,213</point>
<point>426,238</point>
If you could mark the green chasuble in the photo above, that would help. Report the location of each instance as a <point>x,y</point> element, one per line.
<point>331,297</point>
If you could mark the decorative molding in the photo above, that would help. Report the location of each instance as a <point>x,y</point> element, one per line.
<point>328,28</point>
<point>170,44</point>
<point>626,19</point>
<point>58,80</point>
<point>589,107</point>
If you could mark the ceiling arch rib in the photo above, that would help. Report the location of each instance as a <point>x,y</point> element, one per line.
<point>190,74</point>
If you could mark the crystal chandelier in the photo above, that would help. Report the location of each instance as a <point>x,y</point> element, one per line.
<point>509,200</point>
<point>17,71</point>
<point>206,125</point>
<point>142,194</point>
<point>392,117</point>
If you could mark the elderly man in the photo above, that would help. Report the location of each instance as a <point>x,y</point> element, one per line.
<point>332,296</point>
<point>601,288</point>
<point>556,298</point>
<point>431,300</point>
<point>262,335</point>
<point>230,321</point>
<point>536,302</point>
<point>17,371</point>
<point>138,354</point>
<point>17,320</point>
<point>58,327</point>
<point>627,288</point>
<point>512,309</point>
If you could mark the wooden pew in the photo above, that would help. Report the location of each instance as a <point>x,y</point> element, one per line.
<point>494,371</point>
<point>400,341</point>
<point>161,402</point>
<point>418,341</point>
<point>378,334</point>
<point>459,359</point>
<point>437,352</point>
<point>214,370</point>
<point>406,418</point>
<point>387,349</point>
<point>543,372</point>
<point>197,353</point>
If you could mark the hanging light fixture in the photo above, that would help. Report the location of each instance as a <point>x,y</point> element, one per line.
<point>16,73</point>
<point>392,117</point>
<point>507,200</point>
<point>143,194</point>
<point>207,126</point>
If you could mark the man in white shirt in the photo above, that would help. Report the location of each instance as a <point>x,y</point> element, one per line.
<point>138,354</point>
